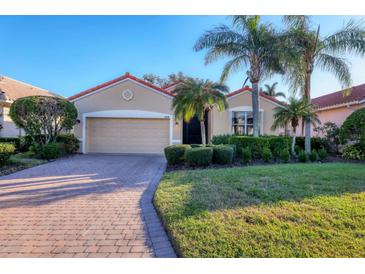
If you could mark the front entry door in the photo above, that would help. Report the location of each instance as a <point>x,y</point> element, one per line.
<point>192,133</point>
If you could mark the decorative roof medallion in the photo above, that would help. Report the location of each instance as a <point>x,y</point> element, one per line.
<point>127,94</point>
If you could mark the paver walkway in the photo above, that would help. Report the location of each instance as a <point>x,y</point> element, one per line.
<point>83,206</point>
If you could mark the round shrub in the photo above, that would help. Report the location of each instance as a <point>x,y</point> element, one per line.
<point>302,156</point>
<point>266,154</point>
<point>313,156</point>
<point>353,152</point>
<point>175,154</point>
<point>6,150</point>
<point>353,129</point>
<point>247,155</point>
<point>72,144</point>
<point>285,155</point>
<point>222,155</point>
<point>51,151</point>
<point>322,154</point>
<point>200,156</point>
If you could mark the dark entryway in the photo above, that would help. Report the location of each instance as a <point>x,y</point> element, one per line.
<point>191,131</point>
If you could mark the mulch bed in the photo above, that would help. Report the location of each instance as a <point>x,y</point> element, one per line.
<point>11,168</point>
<point>239,163</point>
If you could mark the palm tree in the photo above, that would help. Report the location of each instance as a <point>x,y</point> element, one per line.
<point>271,91</point>
<point>306,50</point>
<point>248,43</point>
<point>291,114</point>
<point>194,97</point>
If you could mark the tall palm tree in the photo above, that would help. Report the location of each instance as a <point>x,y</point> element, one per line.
<point>194,97</point>
<point>271,91</point>
<point>306,50</point>
<point>291,114</point>
<point>250,44</point>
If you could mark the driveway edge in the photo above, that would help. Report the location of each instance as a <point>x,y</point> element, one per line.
<point>161,244</point>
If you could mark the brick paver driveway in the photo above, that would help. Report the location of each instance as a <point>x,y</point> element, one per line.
<point>83,206</point>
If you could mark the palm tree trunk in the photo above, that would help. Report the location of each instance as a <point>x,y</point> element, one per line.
<point>293,142</point>
<point>202,130</point>
<point>307,124</point>
<point>255,108</point>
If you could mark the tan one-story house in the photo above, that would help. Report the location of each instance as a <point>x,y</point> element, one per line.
<point>10,90</point>
<point>129,115</point>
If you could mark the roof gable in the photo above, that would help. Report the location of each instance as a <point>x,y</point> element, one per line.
<point>126,76</point>
<point>263,95</point>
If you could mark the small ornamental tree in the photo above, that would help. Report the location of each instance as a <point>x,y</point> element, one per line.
<point>43,115</point>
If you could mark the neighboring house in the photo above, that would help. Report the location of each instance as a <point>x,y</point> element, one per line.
<point>129,115</point>
<point>336,107</point>
<point>10,90</point>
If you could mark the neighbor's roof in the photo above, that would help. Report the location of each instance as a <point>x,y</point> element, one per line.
<point>338,98</point>
<point>121,78</point>
<point>14,89</point>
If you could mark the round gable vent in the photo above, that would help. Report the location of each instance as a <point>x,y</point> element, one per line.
<point>127,94</point>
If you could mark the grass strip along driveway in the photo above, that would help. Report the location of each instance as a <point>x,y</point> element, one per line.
<point>299,210</point>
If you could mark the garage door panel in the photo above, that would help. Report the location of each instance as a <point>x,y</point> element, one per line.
<point>121,135</point>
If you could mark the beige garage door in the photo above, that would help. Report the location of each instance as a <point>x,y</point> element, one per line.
<point>122,135</point>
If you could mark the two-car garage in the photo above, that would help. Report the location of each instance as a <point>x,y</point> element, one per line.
<point>126,135</point>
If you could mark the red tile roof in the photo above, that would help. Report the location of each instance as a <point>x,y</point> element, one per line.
<point>163,90</point>
<point>337,98</point>
<point>247,88</point>
<point>125,76</point>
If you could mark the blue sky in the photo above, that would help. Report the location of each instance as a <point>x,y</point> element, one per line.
<point>67,54</point>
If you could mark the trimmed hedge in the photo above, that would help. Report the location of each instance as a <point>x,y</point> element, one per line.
<point>15,141</point>
<point>222,139</point>
<point>256,144</point>
<point>302,156</point>
<point>199,156</point>
<point>285,155</point>
<point>223,154</point>
<point>175,154</point>
<point>266,154</point>
<point>276,144</point>
<point>6,150</point>
<point>313,156</point>
<point>247,155</point>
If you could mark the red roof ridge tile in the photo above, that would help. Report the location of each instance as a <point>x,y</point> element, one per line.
<point>127,75</point>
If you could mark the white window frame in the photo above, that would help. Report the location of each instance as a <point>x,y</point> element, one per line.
<point>241,109</point>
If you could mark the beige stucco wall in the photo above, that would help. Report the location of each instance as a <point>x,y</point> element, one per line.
<point>221,120</point>
<point>8,127</point>
<point>144,99</point>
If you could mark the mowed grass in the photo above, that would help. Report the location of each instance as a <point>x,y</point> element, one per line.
<point>294,210</point>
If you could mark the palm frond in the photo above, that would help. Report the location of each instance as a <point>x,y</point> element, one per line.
<point>351,38</point>
<point>338,66</point>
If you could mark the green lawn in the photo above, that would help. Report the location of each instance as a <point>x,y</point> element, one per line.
<point>293,210</point>
<point>20,161</point>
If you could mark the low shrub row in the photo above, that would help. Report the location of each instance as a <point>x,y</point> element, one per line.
<point>198,155</point>
<point>6,150</point>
